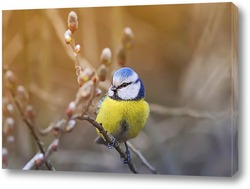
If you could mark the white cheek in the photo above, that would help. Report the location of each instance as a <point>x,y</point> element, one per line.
<point>129,92</point>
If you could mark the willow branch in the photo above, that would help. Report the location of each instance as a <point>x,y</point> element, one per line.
<point>108,138</point>
<point>89,103</point>
<point>104,133</point>
<point>31,163</point>
<point>32,131</point>
<point>141,157</point>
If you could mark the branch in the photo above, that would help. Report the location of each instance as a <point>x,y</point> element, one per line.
<point>19,98</point>
<point>141,157</point>
<point>104,133</point>
<point>31,163</point>
<point>88,79</point>
<point>108,138</point>
<point>32,131</point>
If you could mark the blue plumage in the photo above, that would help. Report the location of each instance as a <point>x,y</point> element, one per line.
<point>123,73</point>
<point>141,93</point>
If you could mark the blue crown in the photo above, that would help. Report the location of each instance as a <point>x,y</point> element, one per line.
<point>124,73</point>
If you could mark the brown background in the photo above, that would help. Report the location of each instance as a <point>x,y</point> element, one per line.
<point>184,55</point>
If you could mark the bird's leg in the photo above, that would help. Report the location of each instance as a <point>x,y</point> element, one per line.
<point>127,152</point>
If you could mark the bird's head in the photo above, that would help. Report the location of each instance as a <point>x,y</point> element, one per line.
<point>126,85</point>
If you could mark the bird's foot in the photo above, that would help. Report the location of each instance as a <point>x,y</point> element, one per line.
<point>128,157</point>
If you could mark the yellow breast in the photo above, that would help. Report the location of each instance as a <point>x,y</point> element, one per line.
<point>123,119</point>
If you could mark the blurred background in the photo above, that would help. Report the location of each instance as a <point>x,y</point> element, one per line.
<point>186,56</point>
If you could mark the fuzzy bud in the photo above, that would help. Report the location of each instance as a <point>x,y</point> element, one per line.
<point>5,101</point>
<point>7,107</point>
<point>54,145</point>
<point>121,54</point>
<point>72,21</point>
<point>70,126</point>
<point>10,108</point>
<point>5,156</point>
<point>22,94</point>
<point>68,37</point>
<point>8,126</point>
<point>56,132</point>
<point>98,92</point>
<point>94,79</point>
<point>39,160</point>
<point>84,91</point>
<point>71,109</point>
<point>106,56</point>
<point>10,81</point>
<point>85,76</point>
<point>29,113</point>
<point>128,38</point>
<point>11,142</point>
<point>102,72</point>
<point>77,49</point>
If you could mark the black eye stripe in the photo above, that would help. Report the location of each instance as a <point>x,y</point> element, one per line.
<point>123,85</point>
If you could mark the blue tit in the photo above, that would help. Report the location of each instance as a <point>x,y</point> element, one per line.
<point>123,112</point>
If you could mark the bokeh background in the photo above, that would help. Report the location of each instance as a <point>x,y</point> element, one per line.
<point>186,56</point>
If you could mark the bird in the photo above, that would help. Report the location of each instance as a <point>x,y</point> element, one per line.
<point>123,111</point>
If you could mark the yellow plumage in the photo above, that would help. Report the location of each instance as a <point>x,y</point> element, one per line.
<point>123,119</point>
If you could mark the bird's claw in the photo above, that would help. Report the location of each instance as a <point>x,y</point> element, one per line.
<point>127,152</point>
<point>111,145</point>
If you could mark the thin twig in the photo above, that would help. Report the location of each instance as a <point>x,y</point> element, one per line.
<point>54,17</point>
<point>89,103</point>
<point>141,157</point>
<point>52,148</point>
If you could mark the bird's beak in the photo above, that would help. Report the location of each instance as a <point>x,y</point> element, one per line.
<point>113,88</point>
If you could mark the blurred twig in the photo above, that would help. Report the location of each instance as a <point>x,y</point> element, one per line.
<point>32,131</point>
<point>183,111</point>
<point>45,96</point>
<point>141,157</point>
<point>15,91</point>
